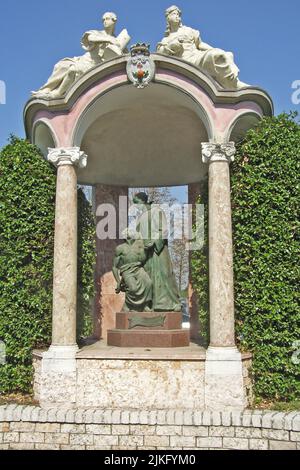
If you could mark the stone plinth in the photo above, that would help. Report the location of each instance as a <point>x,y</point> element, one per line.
<point>107,377</point>
<point>148,329</point>
<point>130,378</point>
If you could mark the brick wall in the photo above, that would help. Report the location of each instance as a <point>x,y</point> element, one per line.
<point>29,427</point>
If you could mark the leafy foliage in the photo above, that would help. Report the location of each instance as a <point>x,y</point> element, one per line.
<point>86,267</point>
<point>199,272</point>
<point>27,210</point>
<point>265,195</point>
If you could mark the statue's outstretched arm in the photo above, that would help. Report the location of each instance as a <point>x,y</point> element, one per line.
<point>202,46</point>
<point>174,49</point>
<point>163,49</point>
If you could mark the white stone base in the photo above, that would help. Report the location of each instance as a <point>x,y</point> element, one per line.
<point>224,383</point>
<point>144,381</point>
<point>56,380</point>
<point>61,359</point>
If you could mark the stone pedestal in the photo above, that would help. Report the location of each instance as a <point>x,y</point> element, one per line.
<point>146,379</point>
<point>148,329</point>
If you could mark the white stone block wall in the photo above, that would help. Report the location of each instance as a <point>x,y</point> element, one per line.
<point>30,427</point>
<point>129,384</point>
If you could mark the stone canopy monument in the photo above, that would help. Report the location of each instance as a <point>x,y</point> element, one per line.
<point>115,120</point>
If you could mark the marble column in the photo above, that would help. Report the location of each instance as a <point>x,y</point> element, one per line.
<point>224,380</point>
<point>221,296</point>
<point>61,354</point>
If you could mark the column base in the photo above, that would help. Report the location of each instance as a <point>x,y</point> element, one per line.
<point>57,382</point>
<point>224,385</point>
<point>60,359</point>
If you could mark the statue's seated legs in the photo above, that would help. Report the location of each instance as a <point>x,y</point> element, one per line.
<point>63,76</point>
<point>221,66</point>
<point>138,290</point>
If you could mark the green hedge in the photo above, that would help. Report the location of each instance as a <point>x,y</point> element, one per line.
<point>265,197</point>
<point>86,267</point>
<point>199,272</point>
<point>265,201</point>
<point>27,206</point>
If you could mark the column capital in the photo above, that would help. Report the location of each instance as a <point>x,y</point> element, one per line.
<point>218,152</point>
<point>67,156</point>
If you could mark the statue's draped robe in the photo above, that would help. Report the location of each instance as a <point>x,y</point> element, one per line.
<point>81,64</point>
<point>135,280</point>
<point>216,62</point>
<point>153,228</point>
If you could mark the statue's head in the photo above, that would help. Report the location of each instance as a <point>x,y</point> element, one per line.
<point>140,198</point>
<point>173,16</point>
<point>130,234</point>
<point>172,9</point>
<point>109,19</point>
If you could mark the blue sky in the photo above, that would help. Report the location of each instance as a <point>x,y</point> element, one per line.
<point>34,35</point>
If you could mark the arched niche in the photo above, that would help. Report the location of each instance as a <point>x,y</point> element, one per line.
<point>241,125</point>
<point>148,137</point>
<point>43,137</point>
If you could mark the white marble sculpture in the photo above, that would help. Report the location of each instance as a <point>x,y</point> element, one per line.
<point>99,46</point>
<point>184,42</point>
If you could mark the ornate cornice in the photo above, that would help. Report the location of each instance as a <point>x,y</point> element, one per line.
<point>67,156</point>
<point>218,152</point>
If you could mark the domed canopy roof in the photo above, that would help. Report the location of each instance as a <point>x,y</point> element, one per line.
<point>148,137</point>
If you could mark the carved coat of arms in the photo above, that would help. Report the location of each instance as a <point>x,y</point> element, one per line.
<point>140,66</point>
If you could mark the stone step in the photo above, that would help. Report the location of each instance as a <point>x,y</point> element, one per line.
<point>148,338</point>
